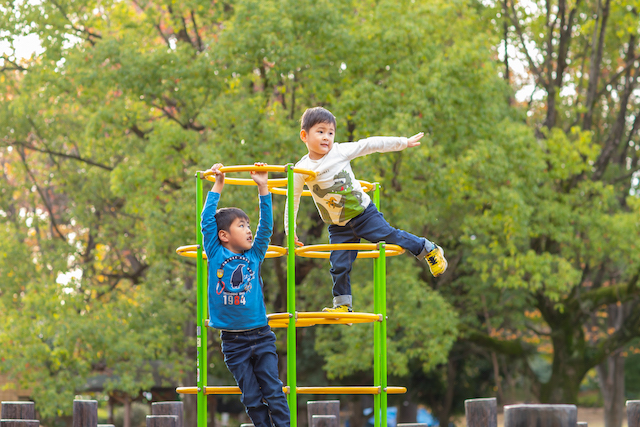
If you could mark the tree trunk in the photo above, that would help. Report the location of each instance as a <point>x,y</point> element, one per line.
<point>611,376</point>
<point>611,372</point>
<point>127,412</point>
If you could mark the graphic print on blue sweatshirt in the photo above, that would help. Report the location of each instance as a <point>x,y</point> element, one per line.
<point>234,288</point>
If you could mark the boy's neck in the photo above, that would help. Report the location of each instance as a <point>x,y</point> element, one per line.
<point>227,246</point>
<point>319,158</point>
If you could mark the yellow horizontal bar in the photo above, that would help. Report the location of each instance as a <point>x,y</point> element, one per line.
<point>275,189</point>
<point>322,251</point>
<point>191,251</point>
<point>304,319</point>
<point>299,390</point>
<point>209,175</point>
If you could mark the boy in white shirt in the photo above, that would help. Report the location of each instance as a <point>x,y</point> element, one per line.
<point>343,204</point>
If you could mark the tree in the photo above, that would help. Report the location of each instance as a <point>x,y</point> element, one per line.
<point>576,260</point>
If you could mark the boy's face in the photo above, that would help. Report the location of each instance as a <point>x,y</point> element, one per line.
<point>319,139</point>
<point>239,238</point>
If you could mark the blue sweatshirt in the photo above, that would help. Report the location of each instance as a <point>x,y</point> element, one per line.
<point>236,300</point>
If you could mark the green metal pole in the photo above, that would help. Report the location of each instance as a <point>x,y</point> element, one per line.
<point>376,325</point>
<point>383,333</point>
<point>201,332</point>
<point>291,301</point>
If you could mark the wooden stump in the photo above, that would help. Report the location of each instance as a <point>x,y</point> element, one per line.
<point>323,407</point>
<point>18,411</point>
<point>162,420</point>
<point>85,413</point>
<point>106,425</point>
<point>247,425</point>
<point>412,425</point>
<point>324,421</point>
<point>633,413</point>
<point>582,424</point>
<point>540,415</point>
<point>169,408</point>
<point>19,423</point>
<point>481,412</point>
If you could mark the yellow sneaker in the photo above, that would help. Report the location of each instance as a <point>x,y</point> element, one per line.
<point>339,309</point>
<point>437,262</point>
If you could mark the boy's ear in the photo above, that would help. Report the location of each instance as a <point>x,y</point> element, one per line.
<point>223,236</point>
<point>303,135</point>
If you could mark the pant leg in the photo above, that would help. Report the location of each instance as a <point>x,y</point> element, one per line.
<point>265,367</point>
<point>372,226</point>
<point>236,348</point>
<point>341,263</point>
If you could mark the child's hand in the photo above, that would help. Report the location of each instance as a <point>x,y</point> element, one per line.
<point>216,171</point>
<point>260,178</point>
<point>415,140</point>
<point>296,241</point>
<point>219,184</point>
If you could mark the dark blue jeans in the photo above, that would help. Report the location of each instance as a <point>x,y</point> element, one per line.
<point>372,226</point>
<point>251,357</point>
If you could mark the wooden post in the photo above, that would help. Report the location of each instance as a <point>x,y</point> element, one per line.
<point>582,424</point>
<point>85,413</point>
<point>18,411</point>
<point>169,408</point>
<point>324,421</point>
<point>633,413</point>
<point>19,423</point>
<point>247,425</point>
<point>323,407</point>
<point>412,425</point>
<point>540,415</point>
<point>481,412</point>
<point>162,420</point>
<point>106,425</point>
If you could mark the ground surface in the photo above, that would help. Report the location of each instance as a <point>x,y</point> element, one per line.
<point>593,416</point>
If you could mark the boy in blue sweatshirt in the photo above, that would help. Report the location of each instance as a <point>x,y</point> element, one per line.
<point>236,301</point>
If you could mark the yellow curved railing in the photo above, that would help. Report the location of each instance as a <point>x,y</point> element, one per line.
<point>273,182</point>
<point>191,251</point>
<point>275,189</point>
<point>320,251</point>
<point>300,390</point>
<point>303,319</point>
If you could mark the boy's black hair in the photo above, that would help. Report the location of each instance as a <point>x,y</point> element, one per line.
<point>316,115</point>
<point>225,216</point>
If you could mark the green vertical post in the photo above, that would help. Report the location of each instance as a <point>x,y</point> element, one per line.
<point>201,332</point>
<point>291,300</point>
<point>376,326</point>
<point>383,332</point>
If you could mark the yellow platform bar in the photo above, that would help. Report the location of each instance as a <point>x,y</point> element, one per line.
<point>299,390</point>
<point>275,182</point>
<point>191,251</point>
<point>324,251</point>
<point>303,319</point>
<point>275,189</point>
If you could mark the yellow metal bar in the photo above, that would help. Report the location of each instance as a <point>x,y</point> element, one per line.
<point>300,390</point>
<point>274,188</point>
<point>275,182</point>
<point>323,251</point>
<point>191,251</point>
<point>281,320</point>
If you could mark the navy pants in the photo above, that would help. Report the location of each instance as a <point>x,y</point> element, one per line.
<point>372,226</point>
<point>252,359</point>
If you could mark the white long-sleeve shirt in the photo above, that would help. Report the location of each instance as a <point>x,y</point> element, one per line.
<point>336,192</point>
